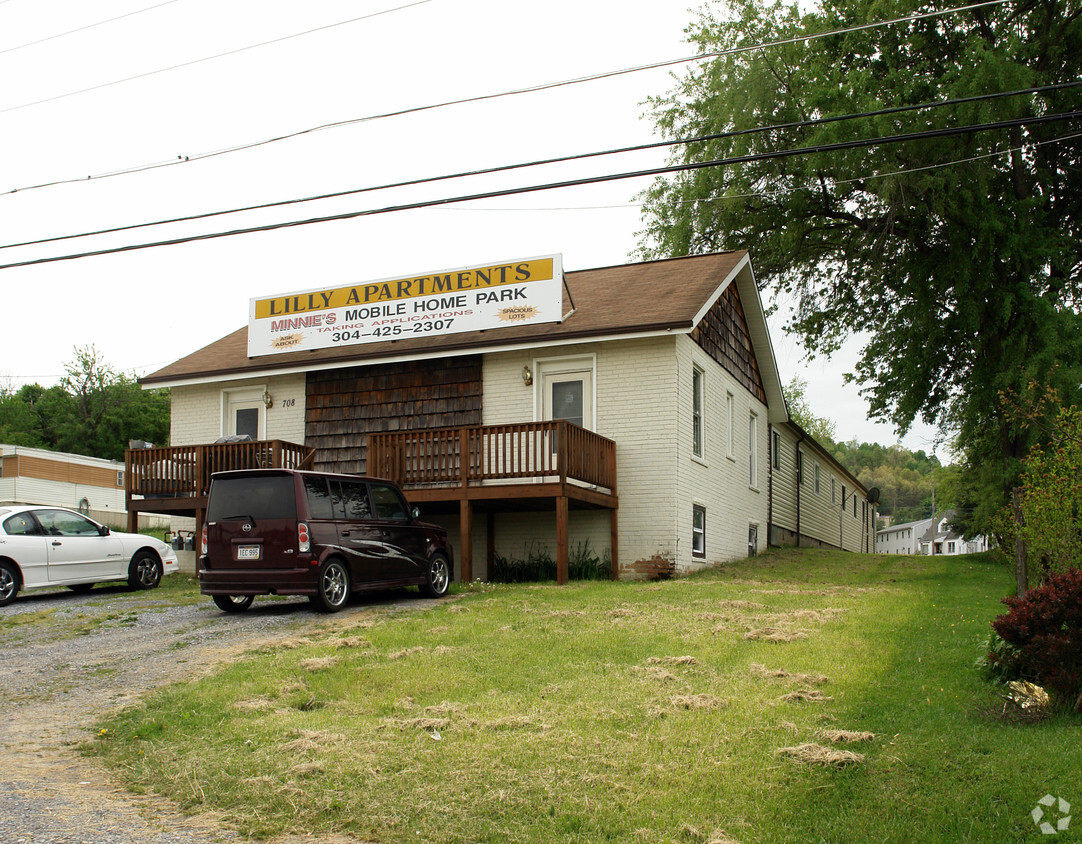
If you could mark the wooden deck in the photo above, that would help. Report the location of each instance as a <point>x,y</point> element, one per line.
<point>535,466</point>
<point>174,480</point>
<point>539,466</point>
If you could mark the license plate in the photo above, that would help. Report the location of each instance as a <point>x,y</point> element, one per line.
<point>248,552</point>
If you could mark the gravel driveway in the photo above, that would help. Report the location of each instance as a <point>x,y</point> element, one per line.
<point>68,659</point>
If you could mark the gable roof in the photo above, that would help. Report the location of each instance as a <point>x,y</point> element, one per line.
<point>627,300</point>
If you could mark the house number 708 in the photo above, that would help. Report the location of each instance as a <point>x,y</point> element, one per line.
<point>288,402</point>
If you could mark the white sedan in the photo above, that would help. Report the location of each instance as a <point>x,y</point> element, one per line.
<point>51,546</point>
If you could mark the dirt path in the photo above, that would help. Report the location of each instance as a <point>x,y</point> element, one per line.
<point>66,660</point>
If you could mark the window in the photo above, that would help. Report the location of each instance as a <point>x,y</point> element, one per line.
<point>816,478</point>
<point>319,497</point>
<point>752,448</point>
<point>63,523</point>
<point>21,524</point>
<point>697,412</point>
<point>120,477</point>
<point>698,531</point>
<point>775,449</point>
<point>388,503</point>
<point>854,505</point>
<point>753,540</point>
<point>833,492</point>
<point>729,422</point>
<point>843,496</point>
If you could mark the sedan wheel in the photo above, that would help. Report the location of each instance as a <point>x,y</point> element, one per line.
<point>9,584</point>
<point>145,571</point>
<point>332,591</point>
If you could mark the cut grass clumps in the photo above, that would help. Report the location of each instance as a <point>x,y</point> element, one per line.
<point>844,736</point>
<point>764,673</point>
<point>805,696</point>
<point>820,756</point>
<point>613,712</point>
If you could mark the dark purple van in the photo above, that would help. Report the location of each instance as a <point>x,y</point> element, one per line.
<point>285,532</point>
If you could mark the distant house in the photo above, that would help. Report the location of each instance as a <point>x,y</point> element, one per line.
<point>902,538</point>
<point>948,541</point>
<point>918,538</point>
<point>645,417</point>
<point>88,484</point>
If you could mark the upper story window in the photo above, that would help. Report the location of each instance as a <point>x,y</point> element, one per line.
<point>833,492</point>
<point>697,412</point>
<point>729,421</point>
<point>753,424</point>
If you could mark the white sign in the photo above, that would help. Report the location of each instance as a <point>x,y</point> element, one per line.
<point>437,303</point>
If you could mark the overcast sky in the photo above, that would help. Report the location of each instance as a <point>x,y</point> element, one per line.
<point>67,115</point>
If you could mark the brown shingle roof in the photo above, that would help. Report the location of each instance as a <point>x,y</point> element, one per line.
<point>623,299</point>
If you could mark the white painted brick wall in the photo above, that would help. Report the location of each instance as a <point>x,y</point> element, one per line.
<point>633,383</point>
<point>197,414</point>
<point>718,482</point>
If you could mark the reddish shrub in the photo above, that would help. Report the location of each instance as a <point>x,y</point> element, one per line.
<point>1044,631</point>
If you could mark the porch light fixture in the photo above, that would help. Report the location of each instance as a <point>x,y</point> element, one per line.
<point>527,375</point>
<point>267,400</point>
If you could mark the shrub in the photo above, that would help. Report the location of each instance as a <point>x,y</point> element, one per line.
<point>583,563</point>
<point>1042,636</point>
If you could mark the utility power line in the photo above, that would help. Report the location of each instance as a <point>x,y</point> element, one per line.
<point>655,171</point>
<point>84,28</point>
<point>800,124</point>
<point>186,159</point>
<point>211,58</point>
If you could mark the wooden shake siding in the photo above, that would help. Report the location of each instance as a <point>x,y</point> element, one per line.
<point>24,466</point>
<point>723,334</point>
<point>344,405</point>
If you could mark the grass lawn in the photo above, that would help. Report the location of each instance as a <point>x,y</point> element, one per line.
<point>625,712</point>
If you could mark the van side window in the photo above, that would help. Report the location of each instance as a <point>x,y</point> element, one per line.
<point>319,497</point>
<point>352,501</point>
<point>389,504</point>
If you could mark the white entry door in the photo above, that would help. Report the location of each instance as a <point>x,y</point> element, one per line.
<point>244,413</point>
<point>568,394</point>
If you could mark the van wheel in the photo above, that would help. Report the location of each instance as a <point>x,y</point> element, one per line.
<point>233,603</point>
<point>145,572</point>
<point>9,584</point>
<point>332,589</point>
<point>438,577</point>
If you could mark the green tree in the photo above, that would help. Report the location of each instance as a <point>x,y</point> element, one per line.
<point>962,256</point>
<point>1051,502</point>
<point>93,411</point>
<point>796,400</point>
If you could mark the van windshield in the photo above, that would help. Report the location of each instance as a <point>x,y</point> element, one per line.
<point>257,496</point>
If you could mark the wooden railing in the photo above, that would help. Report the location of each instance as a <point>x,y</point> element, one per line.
<point>464,456</point>
<point>184,471</point>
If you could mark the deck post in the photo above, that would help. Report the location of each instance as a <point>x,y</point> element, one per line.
<point>561,540</point>
<point>490,543</point>
<point>614,545</point>
<point>465,540</point>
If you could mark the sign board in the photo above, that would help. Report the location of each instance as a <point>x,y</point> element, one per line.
<point>432,304</point>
